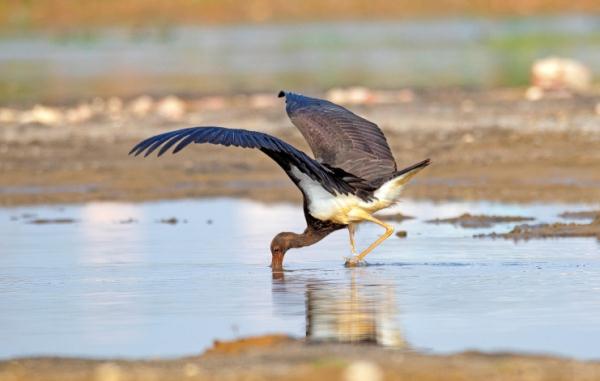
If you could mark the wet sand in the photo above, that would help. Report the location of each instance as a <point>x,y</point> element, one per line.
<point>556,230</point>
<point>281,358</point>
<point>484,145</point>
<point>468,220</point>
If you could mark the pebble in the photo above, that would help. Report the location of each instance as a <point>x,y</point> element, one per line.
<point>43,115</point>
<point>212,103</point>
<point>363,371</point>
<point>141,106</point>
<point>79,114</point>
<point>263,100</point>
<point>171,108</point>
<point>351,95</point>
<point>534,93</point>
<point>7,115</point>
<point>558,73</point>
<point>108,372</point>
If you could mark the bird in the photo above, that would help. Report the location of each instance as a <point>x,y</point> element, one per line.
<point>353,173</point>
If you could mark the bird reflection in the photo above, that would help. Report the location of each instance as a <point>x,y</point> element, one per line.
<point>344,313</point>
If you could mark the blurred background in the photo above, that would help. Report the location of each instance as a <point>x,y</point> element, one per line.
<point>59,51</point>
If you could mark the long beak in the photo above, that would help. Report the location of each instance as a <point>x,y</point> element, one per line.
<point>277,262</point>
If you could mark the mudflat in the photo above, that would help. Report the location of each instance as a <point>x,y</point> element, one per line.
<point>484,145</point>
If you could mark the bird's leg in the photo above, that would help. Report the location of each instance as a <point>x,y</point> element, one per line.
<point>352,230</point>
<point>388,232</point>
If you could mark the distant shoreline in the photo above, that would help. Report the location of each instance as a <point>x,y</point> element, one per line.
<point>73,14</point>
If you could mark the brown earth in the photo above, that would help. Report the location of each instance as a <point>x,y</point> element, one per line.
<point>556,230</point>
<point>281,358</point>
<point>72,14</point>
<point>467,220</point>
<point>484,145</point>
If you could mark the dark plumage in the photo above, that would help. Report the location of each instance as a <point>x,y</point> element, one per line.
<point>353,165</point>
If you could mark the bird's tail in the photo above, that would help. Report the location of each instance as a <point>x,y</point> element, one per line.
<point>407,173</point>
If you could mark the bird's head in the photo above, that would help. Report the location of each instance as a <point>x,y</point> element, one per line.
<point>279,246</point>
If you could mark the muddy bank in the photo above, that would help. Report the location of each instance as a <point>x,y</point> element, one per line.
<point>556,230</point>
<point>281,358</point>
<point>485,145</point>
<point>468,220</point>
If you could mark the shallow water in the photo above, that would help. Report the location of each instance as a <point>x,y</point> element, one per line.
<point>101,287</point>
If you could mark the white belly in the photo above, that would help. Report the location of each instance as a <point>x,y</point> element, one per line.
<point>342,208</point>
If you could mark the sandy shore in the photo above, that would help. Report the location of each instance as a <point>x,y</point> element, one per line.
<point>277,357</point>
<point>485,145</point>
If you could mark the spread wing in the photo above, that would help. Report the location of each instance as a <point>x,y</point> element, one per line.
<point>340,138</point>
<point>284,154</point>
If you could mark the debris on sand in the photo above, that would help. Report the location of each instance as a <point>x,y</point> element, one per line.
<point>43,221</point>
<point>172,221</point>
<point>586,214</point>
<point>401,234</point>
<point>468,220</point>
<point>398,217</point>
<point>556,230</point>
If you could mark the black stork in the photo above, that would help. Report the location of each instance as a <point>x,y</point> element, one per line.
<point>352,176</point>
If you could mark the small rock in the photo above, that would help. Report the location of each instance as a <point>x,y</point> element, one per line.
<point>212,103</point>
<point>191,370</point>
<point>141,106</point>
<point>352,95</point>
<point>79,114</point>
<point>557,73</point>
<point>98,105</point>
<point>43,115</point>
<point>534,93</point>
<point>114,105</point>
<point>108,372</point>
<point>171,108</point>
<point>405,96</point>
<point>363,371</point>
<point>170,221</point>
<point>7,115</point>
<point>401,234</point>
<point>468,138</point>
<point>262,101</point>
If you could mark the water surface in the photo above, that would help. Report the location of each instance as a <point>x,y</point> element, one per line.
<point>118,283</point>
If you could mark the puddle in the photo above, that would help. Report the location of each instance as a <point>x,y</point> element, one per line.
<point>102,287</point>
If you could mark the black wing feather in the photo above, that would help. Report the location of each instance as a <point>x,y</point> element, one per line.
<point>283,153</point>
<point>340,138</point>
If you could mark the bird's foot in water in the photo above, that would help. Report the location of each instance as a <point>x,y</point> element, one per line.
<point>354,262</point>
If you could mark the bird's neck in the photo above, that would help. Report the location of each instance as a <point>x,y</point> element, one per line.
<point>309,237</point>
